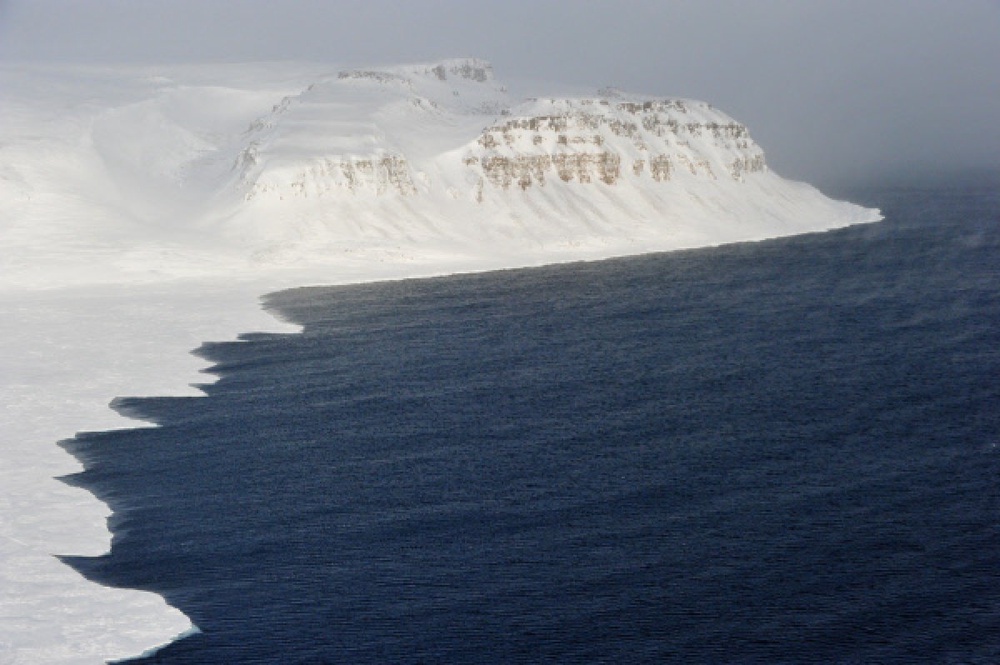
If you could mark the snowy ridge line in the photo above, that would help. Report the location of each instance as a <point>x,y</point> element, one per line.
<point>144,211</point>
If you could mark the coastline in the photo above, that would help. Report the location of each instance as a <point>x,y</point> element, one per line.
<point>68,352</point>
<point>120,256</point>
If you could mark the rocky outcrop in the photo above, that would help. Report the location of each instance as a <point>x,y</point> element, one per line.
<point>479,71</point>
<point>374,76</point>
<point>471,69</point>
<point>372,176</point>
<point>604,140</point>
<point>742,165</point>
<point>527,170</point>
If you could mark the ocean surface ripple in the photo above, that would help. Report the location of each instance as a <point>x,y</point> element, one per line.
<point>783,451</point>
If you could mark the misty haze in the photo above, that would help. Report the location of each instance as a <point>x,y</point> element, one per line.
<point>499,332</point>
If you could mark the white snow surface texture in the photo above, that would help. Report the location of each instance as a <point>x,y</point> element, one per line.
<point>144,210</point>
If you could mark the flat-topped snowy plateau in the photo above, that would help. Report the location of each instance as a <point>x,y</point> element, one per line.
<point>144,210</point>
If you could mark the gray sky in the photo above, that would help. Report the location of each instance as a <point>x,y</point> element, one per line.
<point>834,90</point>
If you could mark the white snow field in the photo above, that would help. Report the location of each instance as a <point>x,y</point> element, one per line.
<point>145,210</point>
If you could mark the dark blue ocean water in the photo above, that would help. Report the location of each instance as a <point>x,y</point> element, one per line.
<point>785,451</point>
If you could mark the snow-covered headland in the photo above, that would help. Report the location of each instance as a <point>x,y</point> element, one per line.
<point>145,210</point>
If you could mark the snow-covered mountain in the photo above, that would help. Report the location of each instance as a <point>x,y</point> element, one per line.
<point>441,155</point>
<point>180,177</point>
<point>143,211</point>
<point>611,138</point>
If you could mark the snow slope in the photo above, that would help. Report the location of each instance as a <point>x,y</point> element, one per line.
<point>143,211</point>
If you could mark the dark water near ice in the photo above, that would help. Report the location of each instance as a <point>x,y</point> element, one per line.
<point>777,452</point>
